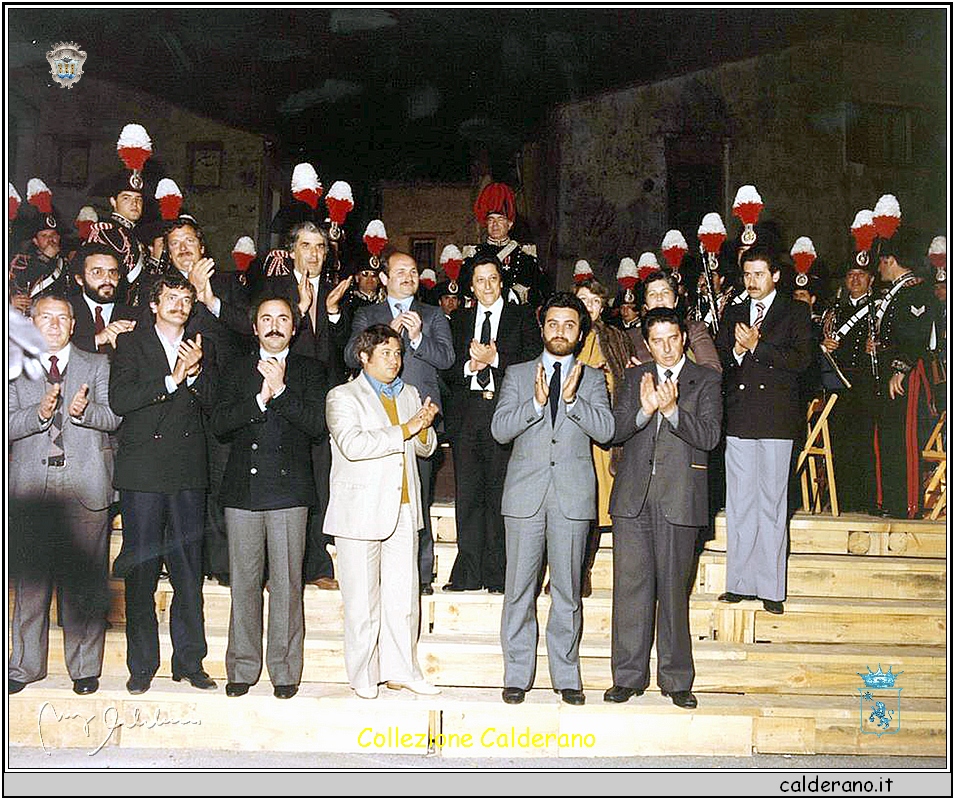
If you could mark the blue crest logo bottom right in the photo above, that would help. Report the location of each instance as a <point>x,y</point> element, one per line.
<point>880,702</point>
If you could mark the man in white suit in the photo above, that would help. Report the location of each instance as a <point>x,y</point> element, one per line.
<point>378,427</point>
<point>551,408</point>
<point>61,470</point>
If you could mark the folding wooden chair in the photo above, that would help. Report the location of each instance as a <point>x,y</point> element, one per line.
<point>815,464</point>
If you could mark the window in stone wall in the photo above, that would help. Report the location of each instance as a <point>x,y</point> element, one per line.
<point>423,252</point>
<point>890,136</point>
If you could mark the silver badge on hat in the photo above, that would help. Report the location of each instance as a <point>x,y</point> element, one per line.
<point>66,63</point>
<point>802,280</point>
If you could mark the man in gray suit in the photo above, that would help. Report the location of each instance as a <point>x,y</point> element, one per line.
<point>551,408</point>
<point>427,338</point>
<point>61,471</point>
<point>667,416</point>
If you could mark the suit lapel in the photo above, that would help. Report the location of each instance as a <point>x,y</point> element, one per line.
<point>367,395</point>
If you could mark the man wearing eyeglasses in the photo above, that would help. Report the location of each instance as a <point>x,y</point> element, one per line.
<point>100,317</point>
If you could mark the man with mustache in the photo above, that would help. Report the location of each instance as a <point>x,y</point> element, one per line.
<point>162,376</point>
<point>100,316</point>
<point>551,408</point>
<point>270,408</point>
<point>319,335</point>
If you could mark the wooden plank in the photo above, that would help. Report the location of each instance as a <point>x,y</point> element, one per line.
<point>843,576</point>
<point>857,534</point>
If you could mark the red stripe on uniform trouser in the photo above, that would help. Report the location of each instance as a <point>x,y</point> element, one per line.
<point>917,381</point>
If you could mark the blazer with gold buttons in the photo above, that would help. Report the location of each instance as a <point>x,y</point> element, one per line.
<point>162,439</point>
<point>270,461</point>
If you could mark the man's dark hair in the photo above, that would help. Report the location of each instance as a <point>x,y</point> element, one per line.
<point>467,272</point>
<point>572,301</point>
<point>760,252</point>
<point>374,335</point>
<point>183,221</point>
<point>659,315</point>
<point>91,249</point>
<point>170,280</point>
<point>267,295</point>
<point>307,226</point>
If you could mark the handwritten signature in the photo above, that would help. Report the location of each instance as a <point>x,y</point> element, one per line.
<point>111,720</point>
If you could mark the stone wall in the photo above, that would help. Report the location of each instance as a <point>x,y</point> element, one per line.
<point>780,121</point>
<point>95,111</point>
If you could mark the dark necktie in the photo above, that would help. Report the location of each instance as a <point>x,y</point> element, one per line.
<point>553,394</point>
<point>667,374</point>
<point>484,375</point>
<point>55,454</point>
<point>760,310</point>
<point>99,324</point>
<point>55,376</point>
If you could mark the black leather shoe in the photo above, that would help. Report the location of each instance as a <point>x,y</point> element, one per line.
<point>495,590</point>
<point>426,589</point>
<point>620,694</point>
<point>732,597</point>
<point>199,679</point>
<point>681,699</point>
<point>86,685</point>
<point>14,686</point>
<point>455,587</point>
<point>512,695</point>
<point>236,689</point>
<point>139,684</point>
<point>773,606</point>
<point>221,577</point>
<point>573,697</point>
<point>286,691</point>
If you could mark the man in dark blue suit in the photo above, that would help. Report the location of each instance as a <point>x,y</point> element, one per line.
<point>427,337</point>
<point>162,377</point>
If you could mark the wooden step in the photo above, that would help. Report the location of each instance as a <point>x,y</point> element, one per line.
<point>823,620</point>
<point>814,575</point>
<point>857,534</point>
<point>459,723</point>
<point>476,660</point>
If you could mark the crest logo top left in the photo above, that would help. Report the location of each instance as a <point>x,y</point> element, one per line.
<point>66,63</point>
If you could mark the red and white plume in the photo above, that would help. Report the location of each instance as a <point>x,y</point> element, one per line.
<point>243,251</point>
<point>85,218</point>
<point>582,271</point>
<point>674,247</point>
<point>169,197</point>
<point>39,196</point>
<point>747,205</point>
<point>887,215</point>
<point>803,254</point>
<point>863,230</point>
<point>451,261</point>
<point>13,202</point>
<point>428,278</point>
<point>339,202</point>
<point>134,146</point>
<point>648,263</point>
<point>627,275</point>
<point>938,252</point>
<point>712,233</point>
<point>375,237</point>
<point>305,184</point>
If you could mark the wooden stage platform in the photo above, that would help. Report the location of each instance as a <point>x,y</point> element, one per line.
<point>863,592</point>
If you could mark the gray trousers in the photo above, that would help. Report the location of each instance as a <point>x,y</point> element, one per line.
<point>525,540</point>
<point>282,534</point>
<point>69,547</point>
<point>757,485</point>
<point>652,570</point>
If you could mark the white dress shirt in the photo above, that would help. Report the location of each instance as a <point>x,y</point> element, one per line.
<point>496,309</point>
